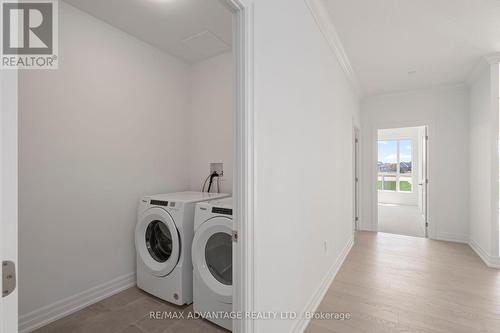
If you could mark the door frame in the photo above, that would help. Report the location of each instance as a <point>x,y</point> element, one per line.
<point>356,169</point>
<point>425,180</point>
<point>243,187</point>
<point>430,230</point>
<point>9,190</point>
<point>244,165</point>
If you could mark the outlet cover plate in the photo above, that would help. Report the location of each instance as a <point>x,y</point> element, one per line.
<point>217,167</point>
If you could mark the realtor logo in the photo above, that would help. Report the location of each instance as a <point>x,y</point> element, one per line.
<point>29,34</point>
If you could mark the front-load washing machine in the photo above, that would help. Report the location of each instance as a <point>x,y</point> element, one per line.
<point>213,261</point>
<point>163,237</point>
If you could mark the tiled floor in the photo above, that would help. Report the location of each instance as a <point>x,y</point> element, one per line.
<point>129,312</point>
<point>391,283</point>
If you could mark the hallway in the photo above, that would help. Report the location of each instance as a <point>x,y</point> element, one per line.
<point>392,283</point>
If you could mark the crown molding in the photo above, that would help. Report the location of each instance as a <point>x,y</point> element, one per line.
<point>493,58</point>
<point>484,63</point>
<point>480,67</point>
<point>424,89</point>
<point>327,28</point>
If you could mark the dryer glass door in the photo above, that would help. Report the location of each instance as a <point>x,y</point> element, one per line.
<point>213,257</point>
<point>219,257</point>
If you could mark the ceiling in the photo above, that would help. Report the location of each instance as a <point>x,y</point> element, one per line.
<point>191,30</point>
<point>396,45</point>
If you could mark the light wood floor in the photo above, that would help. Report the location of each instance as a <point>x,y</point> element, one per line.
<point>128,312</point>
<point>392,283</point>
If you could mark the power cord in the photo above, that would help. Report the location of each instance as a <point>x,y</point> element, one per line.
<point>212,176</point>
<point>205,183</point>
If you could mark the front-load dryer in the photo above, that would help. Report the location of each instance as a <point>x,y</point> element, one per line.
<point>213,262</point>
<point>163,238</point>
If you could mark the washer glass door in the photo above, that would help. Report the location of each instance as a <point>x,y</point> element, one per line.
<point>157,241</point>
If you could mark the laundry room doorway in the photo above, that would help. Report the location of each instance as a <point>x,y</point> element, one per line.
<point>243,181</point>
<point>96,136</point>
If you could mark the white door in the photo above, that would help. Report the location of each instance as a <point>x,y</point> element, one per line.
<point>8,202</point>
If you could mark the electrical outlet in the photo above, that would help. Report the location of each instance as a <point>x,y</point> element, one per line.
<point>217,167</point>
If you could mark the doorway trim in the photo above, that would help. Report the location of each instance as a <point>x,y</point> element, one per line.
<point>356,169</point>
<point>243,184</point>
<point>243,188</point>
<point>9,192</point>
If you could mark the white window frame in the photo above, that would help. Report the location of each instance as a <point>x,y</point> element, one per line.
<point>398,166</point>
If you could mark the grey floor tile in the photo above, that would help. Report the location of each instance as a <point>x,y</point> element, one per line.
<point>155,325</point>
<point>132,329</point>
<point>74,321</point>
<point>121,299</point>
<point>130,311</point>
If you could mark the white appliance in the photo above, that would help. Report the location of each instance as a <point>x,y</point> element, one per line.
<point>213,260</point>
<point>163,237</point>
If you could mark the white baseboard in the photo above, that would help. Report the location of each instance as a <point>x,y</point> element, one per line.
<point>52,312</point>
<point>312,305</point>
<point>456,238</point>
<point>490,261</point>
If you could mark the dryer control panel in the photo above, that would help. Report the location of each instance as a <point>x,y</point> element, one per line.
<point>224,211</point>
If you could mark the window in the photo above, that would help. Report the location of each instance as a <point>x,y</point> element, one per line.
<point>395,165</point>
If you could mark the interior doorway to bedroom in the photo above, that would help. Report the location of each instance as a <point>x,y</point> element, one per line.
<point>402,180</point>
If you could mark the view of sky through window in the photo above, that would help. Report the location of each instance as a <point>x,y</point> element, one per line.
<point>405,150</point>
<point>388,151</point>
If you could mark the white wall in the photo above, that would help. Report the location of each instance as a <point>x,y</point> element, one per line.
<point>211,120</point>
<point>95,136</point>
<point>484,162</point>
<point>304,109</point>
<point>445,111</point>
<point>403,198</point>
<point>110,125</point>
